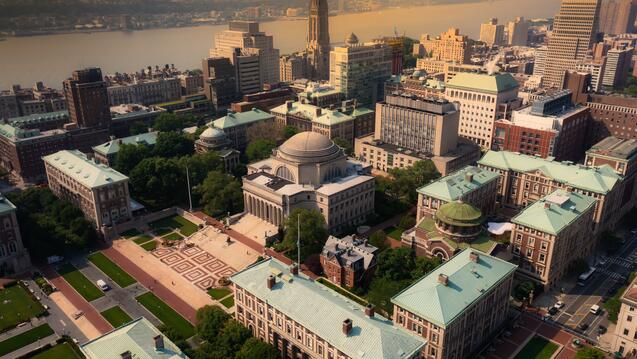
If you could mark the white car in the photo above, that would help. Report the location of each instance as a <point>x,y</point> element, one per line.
<point>595,309</point>
<point>559,304</point>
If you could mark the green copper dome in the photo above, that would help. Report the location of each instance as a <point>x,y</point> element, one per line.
<point>459,214</point>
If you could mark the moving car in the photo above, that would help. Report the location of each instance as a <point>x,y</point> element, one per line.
<point>583,326</point>
<point>102,285</point>
<point>553,310</point>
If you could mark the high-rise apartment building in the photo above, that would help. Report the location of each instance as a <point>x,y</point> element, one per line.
<point>483,98</point>
<point>292,67</point>
<point>220,81</point>
<point>318,41</point>
<point>87,99</point>
<point>575,29</point>
<point>617,68</point>
<point>245,37</point>
<point>491,33</point>
<point>617,16</point>
<point>448,46</point>
<point>540,61</point>
<point>594,67</point>
<point>518,32</point>
<point>359,70</point>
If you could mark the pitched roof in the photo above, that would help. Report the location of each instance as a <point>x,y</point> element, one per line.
<point>555,212</point>
<point>136,337</point>
<point>322,311</point>
<point>468,282</point>
<point>595,179</point>
<point>76,165</point>
<point>456,185</point>
<point>5,205</point>
<point>233,119</point>
<point>496,83</point>
<point>326,117</point>
<point>112,147</point>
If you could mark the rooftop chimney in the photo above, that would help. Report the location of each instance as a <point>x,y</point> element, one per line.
<point>547,204</point>
<point>369,310</point>
<point>126,355</point>
<point>469,177</point>
<point>474,257</point>
<point>159,342</point>
<point>319,111</point>
<point>347,326</point>
<point>289,104</point>
<point>271,281</point>
<point>443,279</point>
<point>294,269</point>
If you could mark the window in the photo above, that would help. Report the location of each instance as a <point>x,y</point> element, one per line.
<point>625,331</point>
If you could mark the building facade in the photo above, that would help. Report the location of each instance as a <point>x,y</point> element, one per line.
<point>87,98</point>
<point>625,341</point>
<point>292,67</point>
<point>491,33</point>
<point>106,153</point>
<point>145,91</point>
<point>518,32</point>
<point>348,261</point>
<point>318,42</point>
<point>617,16</point>
<point>14,257</point>
<point>220,81</point>
<point>448,46</point>
<point>618,62</point>
<point>612,116</point>
<point>237,126</point>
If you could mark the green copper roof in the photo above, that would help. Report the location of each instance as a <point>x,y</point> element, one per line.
<point>6,206</point>
<point>598,180</point>
<point>241,118</point>
<point>326,117</point>
<point>39,117</point>
<point>554,212</point>
<point>459,214</point>
<point>112,147</point>
<point>137,337</point>
<point>76,165</point>
<point>493,84</point>
<point>468,282</point>
<point>322,311</point>
<point>456,185</point>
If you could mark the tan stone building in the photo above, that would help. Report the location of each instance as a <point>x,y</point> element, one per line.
<point>100,192</point>
<point>625,341</point>
<point>14,257</point>
<point>309,171</point>
<point>448,46</point>
<point>492,33</point>
<point>550,234</point>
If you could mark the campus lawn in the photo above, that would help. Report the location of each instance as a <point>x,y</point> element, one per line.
<point>395,233</point>
<point>166,314</point>
<point>63,350</point>
<point>17,306</point>
<point>537,348</point>
<point>142,239</point>
<point>173,237</point>
<point>228,302</point>
<point>24,339</point>
<point>130,233</point>
<point>116,316</point>
<point>218,293</point>
<point>176,222</point>
<point>149,246</point>
<point>111,269</point>
<point>77,280</point>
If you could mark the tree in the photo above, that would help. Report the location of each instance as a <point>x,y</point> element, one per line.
<point>396,264</point>
<point>589,353</point>
<point>264,130</point>
<point>289,131</point>
<point>137,128</point>
<point>313,232</point>
<point>523,290</point>
<point>424,265</point>
<point>173,144</point>
<point>159,182</point>
<point>253,348</point>
<point>129,155</point>
<point>345,145</point>
<point>232,337</point>
<point>407,180</point>
<point>381,291</point>
<point>377,239</point>
<point>220,193</point>
<point>210,320</point>
<point>172,122</point>
<point>259,149</point>
<point>200,164</point>
<point>407,222</point>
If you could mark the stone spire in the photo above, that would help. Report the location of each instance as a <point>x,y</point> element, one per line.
<point>318,41</point>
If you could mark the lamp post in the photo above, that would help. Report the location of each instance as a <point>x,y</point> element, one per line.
<point>188,184</point>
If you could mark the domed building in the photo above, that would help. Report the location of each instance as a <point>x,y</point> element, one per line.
<point>213,139</point>
<point>309,171</point>
<point>453,227</point>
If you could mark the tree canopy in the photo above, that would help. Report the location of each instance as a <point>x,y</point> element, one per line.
<point>259,149</point>
<point>345,145</point>
<point>313,232</point>
<point>253,348</point>
<point>173,144</point>
<point>173,122</point>
<point>407,180</point>
<point>220,193</point>
<point>129,155</point>
<point>289,131</point>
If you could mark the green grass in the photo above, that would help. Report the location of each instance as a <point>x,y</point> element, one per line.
<point>176,222</point>
<point>218,293</point>
<point>166,314</point>
<point>173,237</point>
<point>394,233</point>
<point>149,246</point>
<point>82,285</point>
<point>24,339</point>
<point>116,316</point>
<point>228,302</point>
<point>63,350</point>
<point>111,269</point>
<point>142,239</point>
<point>343,292</point>
<point>133,232</point>
<point>537,348</point>
<point>17,306</point>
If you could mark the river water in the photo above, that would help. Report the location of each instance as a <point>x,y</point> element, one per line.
<point>52,58</point>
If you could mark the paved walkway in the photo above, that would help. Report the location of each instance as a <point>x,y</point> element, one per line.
<point>76,299</point>
<point>147,280</point>
<point>30,347</point>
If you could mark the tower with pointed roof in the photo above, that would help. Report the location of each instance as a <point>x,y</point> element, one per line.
<point>318,41</point>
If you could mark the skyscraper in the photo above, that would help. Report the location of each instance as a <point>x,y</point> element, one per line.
<point>518,32</point>
<point>617,16</point>
<point>491,33</point>
<point>87,99</point>
<point>318,41</point>
<point>574,32</point>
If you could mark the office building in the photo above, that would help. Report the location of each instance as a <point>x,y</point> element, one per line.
<point>292,67</point>
<point>87,98</point>
<point>462,312</point>
<point>491,33</point>
<point>244,37</point>
<point>100,192</point>
<point>237,126</point>
<point>575,29</point>
<point>145,91</point>
<point>397,45</point>
<point>106,153</point>
<point>540,60</point>
<point>594,67</point>
<point>448,46</point>
<point>318,41</point>
<point>264,100</point>
<point>579,83</point>
<point>518,32</point>
<point>525,179</point>
<point>625,340</point>
<point>550,127</point>
<point>303,318</point>
<point>220,81</point>
<point>14,257</point>
<point>550,234</point>
<point>483,98</point>
<point>618,62</point>
<point>612,116</point>
<point>348,261</point>
<point>309,171</point>
<point>359,70</point>
<point>617,16</point>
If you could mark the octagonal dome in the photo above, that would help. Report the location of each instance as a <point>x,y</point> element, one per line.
<point>212,133</point>
<point>459,214</point>
<point>309,147</point>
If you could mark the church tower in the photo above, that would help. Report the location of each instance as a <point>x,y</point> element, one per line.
<point>318,41</point>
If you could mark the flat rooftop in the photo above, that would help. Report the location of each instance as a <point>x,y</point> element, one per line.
<point>615,147</point>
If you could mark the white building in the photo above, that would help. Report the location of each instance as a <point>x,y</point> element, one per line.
<point>596,68</point>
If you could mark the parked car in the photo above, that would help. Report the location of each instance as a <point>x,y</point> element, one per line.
<point>601,330</point>
<point>559,304</point>
<point>583,326</point>
<point>553,310</point>
<point>102,285</point>
<point>595,309</point>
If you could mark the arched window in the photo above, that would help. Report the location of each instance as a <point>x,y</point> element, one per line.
<point>285,173</point>
<point>12,247</point>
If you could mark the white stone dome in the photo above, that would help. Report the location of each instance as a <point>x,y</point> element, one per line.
<point>307,147</point>
<point>212,133</point>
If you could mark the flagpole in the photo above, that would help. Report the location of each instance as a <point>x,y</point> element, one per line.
<point>298,239</point>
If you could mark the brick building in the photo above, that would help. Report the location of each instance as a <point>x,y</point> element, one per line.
<point>348,261</point>
<point>612,116</point>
